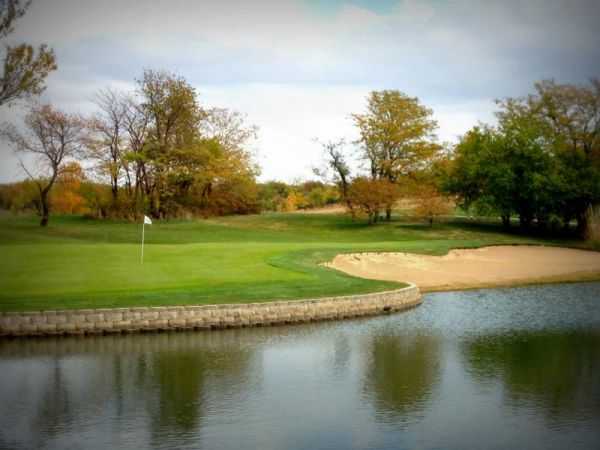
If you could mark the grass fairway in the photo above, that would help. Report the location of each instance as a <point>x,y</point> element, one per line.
<point>80,263</point>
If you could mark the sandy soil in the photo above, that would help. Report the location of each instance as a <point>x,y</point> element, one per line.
<point>463,269</point>
<point>332,209</point>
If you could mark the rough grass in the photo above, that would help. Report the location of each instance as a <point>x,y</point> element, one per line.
<point>81,263</point>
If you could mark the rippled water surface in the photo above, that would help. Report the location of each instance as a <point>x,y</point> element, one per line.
<point>505,368</point>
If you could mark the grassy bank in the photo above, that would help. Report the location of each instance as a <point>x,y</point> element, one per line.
<point>80,263</point>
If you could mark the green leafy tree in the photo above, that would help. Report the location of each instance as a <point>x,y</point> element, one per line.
<point>505,171</point>
<point>570,116</point>
<point>541,162</point>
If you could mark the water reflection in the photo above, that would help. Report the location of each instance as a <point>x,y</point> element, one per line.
<point>109,381</point>
<point>557,372</point>
<point>401,373</point>
<point>181,379</point>
<point>519,365</point>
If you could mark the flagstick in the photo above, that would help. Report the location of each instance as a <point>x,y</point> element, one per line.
<point>143,227</point>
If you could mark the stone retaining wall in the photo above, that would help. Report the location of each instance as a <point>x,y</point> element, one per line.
<point>117,320</point>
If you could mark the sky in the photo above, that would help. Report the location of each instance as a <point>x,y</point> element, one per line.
<point>298,69</point>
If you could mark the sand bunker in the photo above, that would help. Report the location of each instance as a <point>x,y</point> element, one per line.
<point>462,269</point>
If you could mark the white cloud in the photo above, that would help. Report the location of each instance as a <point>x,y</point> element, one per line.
<point>298,72</point>
<point>289,118</point>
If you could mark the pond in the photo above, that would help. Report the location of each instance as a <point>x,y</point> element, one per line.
<point>496,368</point>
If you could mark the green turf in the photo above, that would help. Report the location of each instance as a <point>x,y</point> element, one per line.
<point>81,263</point>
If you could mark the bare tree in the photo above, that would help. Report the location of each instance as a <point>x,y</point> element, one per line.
<point>24,71</point>
<point>229,128</point>
<point>53,138</point>
<point>336,162</point>
<point>136,122</point>
<point>106,141</point>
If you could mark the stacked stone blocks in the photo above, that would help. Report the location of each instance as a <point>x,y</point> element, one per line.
<point>119,320</point>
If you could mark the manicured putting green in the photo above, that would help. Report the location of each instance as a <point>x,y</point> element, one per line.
<point>82,263</point>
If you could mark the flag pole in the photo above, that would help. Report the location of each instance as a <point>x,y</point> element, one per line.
<point>143,227</point>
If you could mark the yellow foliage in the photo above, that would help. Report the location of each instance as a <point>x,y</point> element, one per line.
<point>431,204</point>
<point>65,197</point>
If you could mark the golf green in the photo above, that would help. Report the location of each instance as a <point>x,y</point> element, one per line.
<point>82,263</point>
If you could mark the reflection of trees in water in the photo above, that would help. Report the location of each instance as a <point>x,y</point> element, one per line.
<point>113,378</point>
<point>56,399</point>
<point>341,354</point>
<point>177,378</point>
<point>56,405</point>
<point>401,373</point>
<point>559,372</point>
<point>180,378</point>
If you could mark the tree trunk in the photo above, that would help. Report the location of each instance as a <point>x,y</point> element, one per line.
<point>344,182</point>
<point>506,221</point>
<point>115,190</point>
<point>582,223</point>
<point>155,205</point>
<point>388,214</point>
<point>45,208</point>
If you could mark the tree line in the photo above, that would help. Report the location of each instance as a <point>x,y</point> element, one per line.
<point>155,150</point>
<point>539,163</point>
<point>397,151</point>
<point>158,151</point>
<point>75,193</point>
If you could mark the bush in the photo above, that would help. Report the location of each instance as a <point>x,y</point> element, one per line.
<point>368,197</point>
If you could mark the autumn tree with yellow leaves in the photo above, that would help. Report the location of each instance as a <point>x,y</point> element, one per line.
<point>397,137</point>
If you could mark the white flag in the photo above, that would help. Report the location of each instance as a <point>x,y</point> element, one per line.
<point>147,220</point>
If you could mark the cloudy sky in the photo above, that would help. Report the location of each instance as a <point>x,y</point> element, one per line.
<point>299,68</point>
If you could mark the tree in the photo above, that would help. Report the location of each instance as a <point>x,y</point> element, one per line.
<point>541,162</point>
<point>160,152</point>
<point>464,174</point>
<point>54,138</point>
<point>21,196</point>
<point>368,196</point>
<point>189,155</point>
<point>174,118</point>
<point>570,119</point>
<point>505,170</point>
<point>136,122</point>
<point>559,127</point>
<point>432,203</point>
<point>229,128</point>
<point>24,69</point>
<point>272,195</point>
<point>65,197</point>
<point>106,143</point>
<point>336,162</point>
<point>230,175</point>
<point>396,136</point>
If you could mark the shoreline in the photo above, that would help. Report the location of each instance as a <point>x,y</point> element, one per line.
<point>85,322</point>
<point>584,278</point>
<point>442,274</point>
